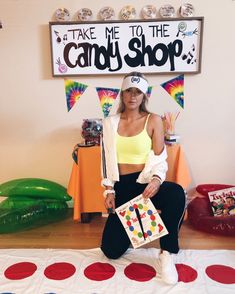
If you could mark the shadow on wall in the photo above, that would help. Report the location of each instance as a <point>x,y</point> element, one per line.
<point>25,153</point>
<point>51,155</point>
<point>46,67</point>
<point>16,127</point>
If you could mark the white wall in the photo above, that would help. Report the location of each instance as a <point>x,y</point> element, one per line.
<point>37,134</point>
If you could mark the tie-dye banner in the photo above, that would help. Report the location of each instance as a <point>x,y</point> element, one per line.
<point>73,91</point>
<point>107,97</point>
<point>175,87</point>
<point>149,91</point>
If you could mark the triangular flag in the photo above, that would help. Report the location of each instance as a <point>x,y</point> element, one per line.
<point>73,91</point>
<point>149,91</point>
<point>175,87</point>
<point>107,97</point>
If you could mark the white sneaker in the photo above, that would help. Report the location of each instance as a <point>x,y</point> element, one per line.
<point>168,270</point>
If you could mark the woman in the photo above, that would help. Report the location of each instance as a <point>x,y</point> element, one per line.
<point>134,162</point>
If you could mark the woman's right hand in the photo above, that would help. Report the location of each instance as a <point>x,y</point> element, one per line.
<point>109,202</point>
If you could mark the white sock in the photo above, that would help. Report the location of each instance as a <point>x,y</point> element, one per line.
<point>169,273</point>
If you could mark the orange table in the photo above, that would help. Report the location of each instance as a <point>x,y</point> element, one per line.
<point>85,179</point>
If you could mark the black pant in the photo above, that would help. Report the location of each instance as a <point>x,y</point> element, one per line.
<point>170,199</point>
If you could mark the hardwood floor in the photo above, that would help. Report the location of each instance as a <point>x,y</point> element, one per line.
<point>69,234</point>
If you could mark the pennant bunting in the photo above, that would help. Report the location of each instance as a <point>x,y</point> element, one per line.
<point>175,87</point>
<point>107,97</point>
<point>73,91</point>
<point>149,91</point>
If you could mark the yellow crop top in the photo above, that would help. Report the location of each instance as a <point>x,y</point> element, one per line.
<point>134,149</point>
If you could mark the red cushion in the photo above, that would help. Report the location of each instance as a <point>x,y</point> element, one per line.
<point>205,188</point>
<point>201,217</point>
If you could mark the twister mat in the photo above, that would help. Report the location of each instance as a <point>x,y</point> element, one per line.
<point>55,271</point>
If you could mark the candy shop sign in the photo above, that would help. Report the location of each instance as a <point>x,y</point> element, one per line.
<point>159,46</point>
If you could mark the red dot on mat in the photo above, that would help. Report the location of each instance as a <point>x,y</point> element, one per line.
<point>20,270</point>
<point>186,273</point>
<point>135,206</point>
<point>152,217</point>
<point>221,273</point>
<point>140,272</point>
<point>99,271</point>
<point>59,271</point>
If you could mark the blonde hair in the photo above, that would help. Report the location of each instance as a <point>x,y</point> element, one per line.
<point>142,107</point>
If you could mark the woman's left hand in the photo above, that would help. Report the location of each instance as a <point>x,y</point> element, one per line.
<point>152,188</point>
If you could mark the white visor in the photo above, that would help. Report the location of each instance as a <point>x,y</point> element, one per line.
<point>135,82</point>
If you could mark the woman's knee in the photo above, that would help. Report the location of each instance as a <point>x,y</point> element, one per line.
<point>111,253</point>
<point>174,191</point>
<point>180,195</point>
<point>115,240</point>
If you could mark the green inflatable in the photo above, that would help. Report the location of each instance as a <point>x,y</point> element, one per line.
<point>17,214</point>
<point>34,187</point>
<point>31,202</point>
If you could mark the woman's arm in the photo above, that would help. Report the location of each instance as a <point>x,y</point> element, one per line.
<point>156,126</point>
<point>156,131</point>
<point>109,201</point>
<point>105,146</point>
<point>109,193</point>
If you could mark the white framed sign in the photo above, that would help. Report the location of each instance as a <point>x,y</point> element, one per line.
<point>119,47</point>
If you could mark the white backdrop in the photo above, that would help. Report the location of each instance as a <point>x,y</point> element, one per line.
<point>37,132</point>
